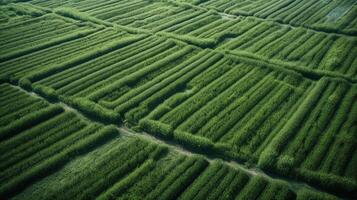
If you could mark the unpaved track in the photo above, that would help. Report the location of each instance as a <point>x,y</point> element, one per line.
<point>126,131</point>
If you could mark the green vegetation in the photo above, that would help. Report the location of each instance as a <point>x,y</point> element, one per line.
<point>228,99</point>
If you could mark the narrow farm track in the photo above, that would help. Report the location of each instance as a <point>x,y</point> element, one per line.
<point>202,98</point>
<point>293,184</point>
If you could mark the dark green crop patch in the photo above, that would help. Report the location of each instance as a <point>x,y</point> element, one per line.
<point>178,99</point>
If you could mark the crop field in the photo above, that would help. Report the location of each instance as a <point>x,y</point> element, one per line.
<point>178,99</point>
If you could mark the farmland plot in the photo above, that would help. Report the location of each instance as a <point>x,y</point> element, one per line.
<point>51,144</point>
<point>312,50</point>
<point>272,89</point>
<point>329,16</point>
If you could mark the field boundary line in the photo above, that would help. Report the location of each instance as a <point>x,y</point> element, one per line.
<point>204,43</point>
<point>294,185</point>
<point>208,43</point>
<point>198,7</point>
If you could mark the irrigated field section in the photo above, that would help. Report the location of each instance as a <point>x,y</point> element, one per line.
<point>185,99</point>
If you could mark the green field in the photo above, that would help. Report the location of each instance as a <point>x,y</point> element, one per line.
<point>178,99</point>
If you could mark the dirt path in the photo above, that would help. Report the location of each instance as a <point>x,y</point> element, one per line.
<point>125,131</point>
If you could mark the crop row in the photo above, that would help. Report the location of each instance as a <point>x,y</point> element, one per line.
<point>128,168</point>
<point>39,138</point>
<point>317,51</point>
<point>91,161</point>
<point>284,130</point>
<point>110,75</point>
<point>153,16</point>
<point>16,14</point>
<point>201,98</point>
<point>6,16</point>
<point>204,100</point>
<point>34,32</point>
<point>24,154</point>
<point>319,140</point>
<point>221,108</point>
<point>172,18</point>
<point>56,50</point>
<point>329,16</point>
<point>314,50</point>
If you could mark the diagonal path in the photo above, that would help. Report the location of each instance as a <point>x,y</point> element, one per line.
<point>126,131</point>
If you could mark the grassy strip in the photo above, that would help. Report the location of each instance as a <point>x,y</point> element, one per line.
<point>105,74</point>
<point>170,89</point>
<point>28,9</point>
<point>236,185</point>
<point>277,190</point>
<point>48,93</point>
<point>40,132</point>
<point>217,191</point>
<point>182,180</point>
<point>50,43</point>
<point>28,121</point>
<point>148,183</point>
<point>19,108</point>
<point>199,183</point>
<point>286,67</point>
<point>171,177</point>
<point>308,135</point>
<point>87,107</point>
<point>93,110</point>
<point>18,183</point>
<point>268,157</point>
<point>134,77</point>
<point>187,109</point>
<point>241,81</point>
<point>49,70</point>
<point>193,141</point>
<point>34,140</point>
<point>128,181</point>
<point>197,41</point>
<point>203,43</point>
<point>130,74</point>
<point>100,176</point>
<point>313,195</point>
<point>137,94</point>
<point>188,140</point>
<point>212,184</point>
<point>40,156</point>
<point>77,15</point>
<point>254,188</point>
<point>220,124</point>
<point>123,169</point>
<point>156,128</point>
<point>330,182</point>
<point>164,90</point>
<point>249,130</point>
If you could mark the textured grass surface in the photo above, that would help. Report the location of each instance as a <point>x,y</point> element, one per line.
<point>270,86</point>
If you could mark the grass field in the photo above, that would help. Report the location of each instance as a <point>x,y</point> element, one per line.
<point>178,99</point>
